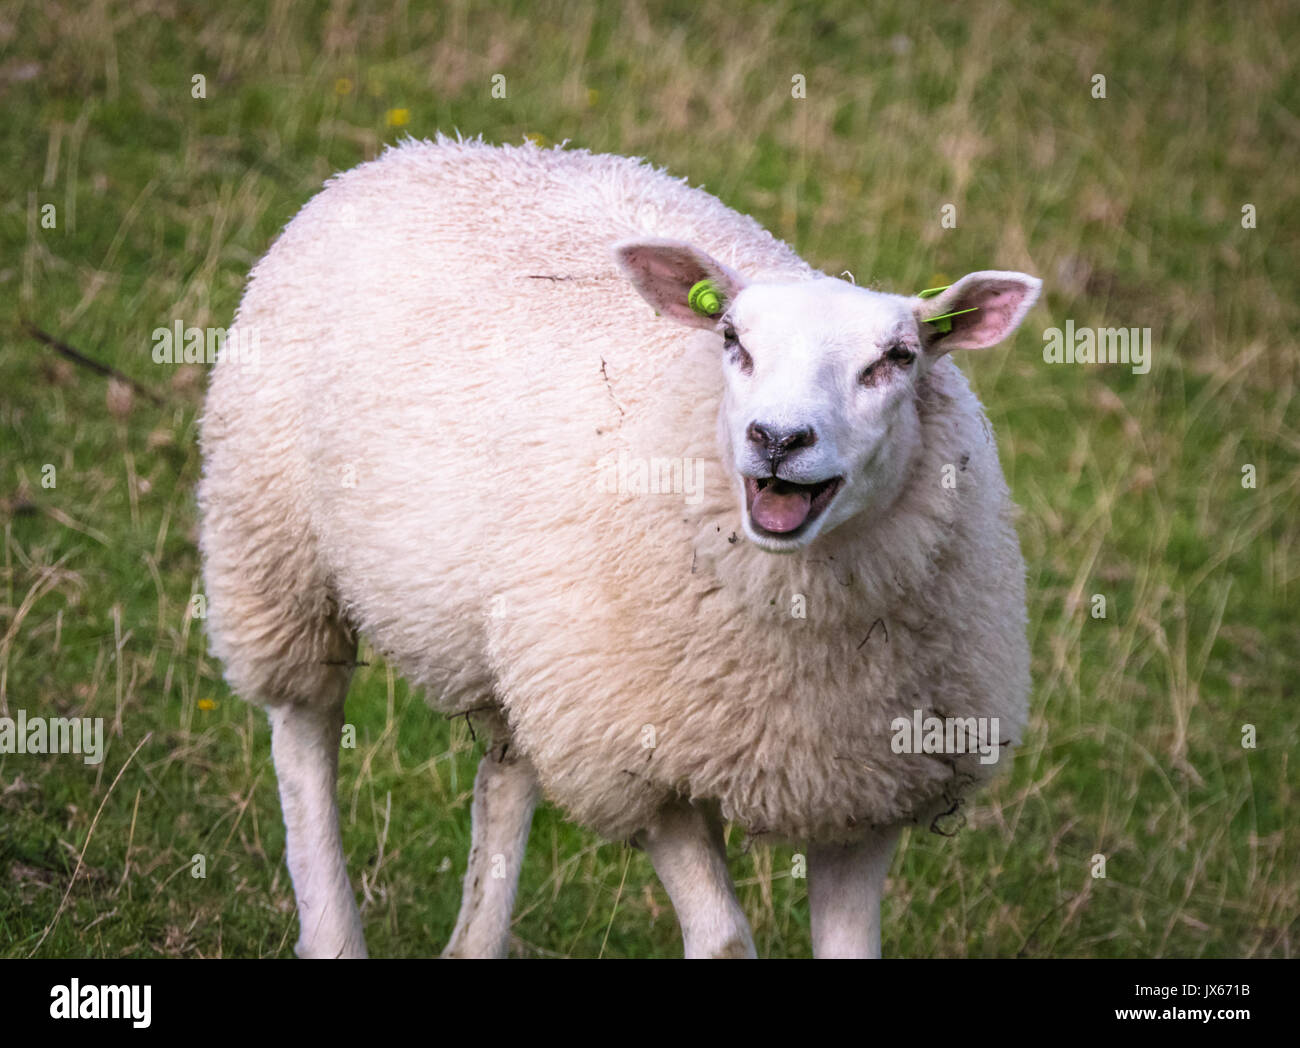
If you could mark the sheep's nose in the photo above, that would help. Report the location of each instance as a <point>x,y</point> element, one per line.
<point>778,442</point>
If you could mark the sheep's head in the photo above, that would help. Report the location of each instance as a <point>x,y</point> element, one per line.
<point>819,417</point>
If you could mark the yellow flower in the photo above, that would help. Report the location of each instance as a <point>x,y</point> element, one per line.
<point>343,86</point>
<point>539,140</point>
<point>207,704</point>
<point>398,117</point>
<point>593,96</point>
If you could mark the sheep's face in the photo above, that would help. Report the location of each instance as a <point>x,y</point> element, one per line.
<point>819,414</point>
<point>819,418</point>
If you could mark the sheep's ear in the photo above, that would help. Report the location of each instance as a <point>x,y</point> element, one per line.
<point>988,306</point>
<point>664,271</point>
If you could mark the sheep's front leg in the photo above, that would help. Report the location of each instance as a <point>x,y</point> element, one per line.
<point>845,884</point>
<point>505,794</point>
<point>305,748</point>
<point>689,855</point>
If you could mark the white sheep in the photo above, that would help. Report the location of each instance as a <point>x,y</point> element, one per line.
<point>703,563</point>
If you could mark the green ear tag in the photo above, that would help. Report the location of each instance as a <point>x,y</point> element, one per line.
<point>705,298</point>
<point>943,322</point>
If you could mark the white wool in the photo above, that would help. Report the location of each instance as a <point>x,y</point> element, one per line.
<point>448,355</point>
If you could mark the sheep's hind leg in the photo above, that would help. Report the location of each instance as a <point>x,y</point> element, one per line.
<point>686,846</point>
<point>845,885</point>
<point>505,794</point>
<point>305,746</point>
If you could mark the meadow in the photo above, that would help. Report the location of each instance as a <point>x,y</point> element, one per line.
<point>905,144</point>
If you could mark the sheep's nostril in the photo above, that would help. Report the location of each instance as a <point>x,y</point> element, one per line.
<point>800,438</point>
<point>780,441</point>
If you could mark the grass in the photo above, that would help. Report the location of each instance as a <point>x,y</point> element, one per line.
<point>1130,208</point>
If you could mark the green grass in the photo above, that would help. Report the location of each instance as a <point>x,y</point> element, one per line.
<point>1129,207</point>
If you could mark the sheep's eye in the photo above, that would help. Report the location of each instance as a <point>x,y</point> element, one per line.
<point>736,353</point>
<point>897,356</point>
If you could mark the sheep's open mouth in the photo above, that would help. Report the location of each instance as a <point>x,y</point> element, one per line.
<point>781,507</point>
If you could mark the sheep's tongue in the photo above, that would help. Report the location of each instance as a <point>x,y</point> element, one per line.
<point>781,510</point>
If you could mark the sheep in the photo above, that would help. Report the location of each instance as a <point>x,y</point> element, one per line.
<point>470,357</point>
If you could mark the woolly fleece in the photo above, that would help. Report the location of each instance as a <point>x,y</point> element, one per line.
<point>449,362</point>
